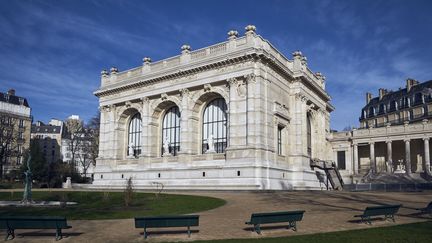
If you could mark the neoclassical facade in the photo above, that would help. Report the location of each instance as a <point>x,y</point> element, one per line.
<point>235,115</point>
<point>393,138</point>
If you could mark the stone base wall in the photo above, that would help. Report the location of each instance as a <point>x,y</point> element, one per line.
<point>209,178</point>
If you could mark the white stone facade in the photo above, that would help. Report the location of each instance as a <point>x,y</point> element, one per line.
<point>269,102</point>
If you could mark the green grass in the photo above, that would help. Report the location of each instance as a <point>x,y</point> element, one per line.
<point>96,205</point>
<point>417,232</point>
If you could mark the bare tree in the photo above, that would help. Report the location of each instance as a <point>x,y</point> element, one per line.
<point>84,156</point>
<point>74,135</point>
<point>90,145</point>
<point>8,140</point>
<point>92,135</point>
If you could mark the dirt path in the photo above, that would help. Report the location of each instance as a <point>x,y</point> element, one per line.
<point>325,212</point>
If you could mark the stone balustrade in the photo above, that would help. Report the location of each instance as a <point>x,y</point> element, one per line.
<point>234,44</point>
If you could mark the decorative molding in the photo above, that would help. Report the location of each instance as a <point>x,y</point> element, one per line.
<point>207,87</point>
<point>164,96</point>
<point>241,88</point>
<point>232,81</point>
<point>250,78</point>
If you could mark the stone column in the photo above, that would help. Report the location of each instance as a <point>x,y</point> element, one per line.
<point>407,157</point>
<point>237,113</point>
<point>389,157</point>
<point>372,157</point>
<point>426,163</point>
<point>186,138</point>
<point>145,138</point>
<point>355,158</point>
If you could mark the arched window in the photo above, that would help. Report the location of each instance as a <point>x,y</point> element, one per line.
<point>215,124</point>
<point>309,135</point>
<point>171,131</point>
<point>134,135</point>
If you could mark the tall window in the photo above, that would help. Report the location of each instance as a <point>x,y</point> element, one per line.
<point>279,140</point>
<point>215,125</point>
<point>309,135</point>
<point>341,163</point>
<point>418,98</point>
<point>171,131</point>
<point>393,105</point>
<point>371,111</point>
<point>135,129</point>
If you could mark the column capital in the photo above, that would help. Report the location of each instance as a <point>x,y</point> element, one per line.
<point>388,141</point>
<point>372,143</point>
<point>426,139</point>
<point>407,140</point>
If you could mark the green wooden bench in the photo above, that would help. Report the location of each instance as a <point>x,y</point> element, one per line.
<point>388,211</point>
<point>10,223</point>
<point>427,209</point>
<point>167,221</point>
<point>275,217</point>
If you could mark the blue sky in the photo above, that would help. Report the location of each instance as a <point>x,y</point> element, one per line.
<point>52,52</point>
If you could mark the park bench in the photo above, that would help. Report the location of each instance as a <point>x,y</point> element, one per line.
<point>275,217</point>
<point>427,209</point>
<point>10,223</point>
<point>167,221</point>
<point>387,210</point>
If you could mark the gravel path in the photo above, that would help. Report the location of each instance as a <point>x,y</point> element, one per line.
<point>325,212</point>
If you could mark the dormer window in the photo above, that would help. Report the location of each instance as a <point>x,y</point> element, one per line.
<point>418,98</point>
<point>393,105</point>
<point>6,96</point>
<point>381,109</point>
<point>371,111</point>
<point>21,101</point>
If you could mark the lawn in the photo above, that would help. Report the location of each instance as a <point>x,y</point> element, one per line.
<point>104,205</point>
<point>416,232</point>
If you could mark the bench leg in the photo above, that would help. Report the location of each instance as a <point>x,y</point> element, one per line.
<point>293,225</point>
<point>145,233</point>
<point>257,228</point>
<point>10,232</point>
<point>366,220</point>
<point>59,235</point>
<point>189,233</point>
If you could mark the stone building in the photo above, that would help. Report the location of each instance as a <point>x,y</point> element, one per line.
<point>393,137</point>
<point>15,125</point>
<point>234,115</point>
<point>49,138</point>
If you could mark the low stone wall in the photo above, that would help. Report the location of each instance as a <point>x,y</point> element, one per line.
<point>388,187</point>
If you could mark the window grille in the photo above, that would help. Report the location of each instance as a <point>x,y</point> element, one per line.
<point>134,138</point>
<point>215,124</point>
<point>171,130</point>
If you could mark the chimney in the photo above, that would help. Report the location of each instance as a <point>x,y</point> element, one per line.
<point>11,92</point>
<point>410,83</point>
<point>368,97</point>
<point>382,92</point>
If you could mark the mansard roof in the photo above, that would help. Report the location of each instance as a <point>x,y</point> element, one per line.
<point>45,129</point>
<point>396,95</point>
<point>13,99</point>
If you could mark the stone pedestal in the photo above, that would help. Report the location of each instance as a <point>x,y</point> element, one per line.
<point>68,183</point>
